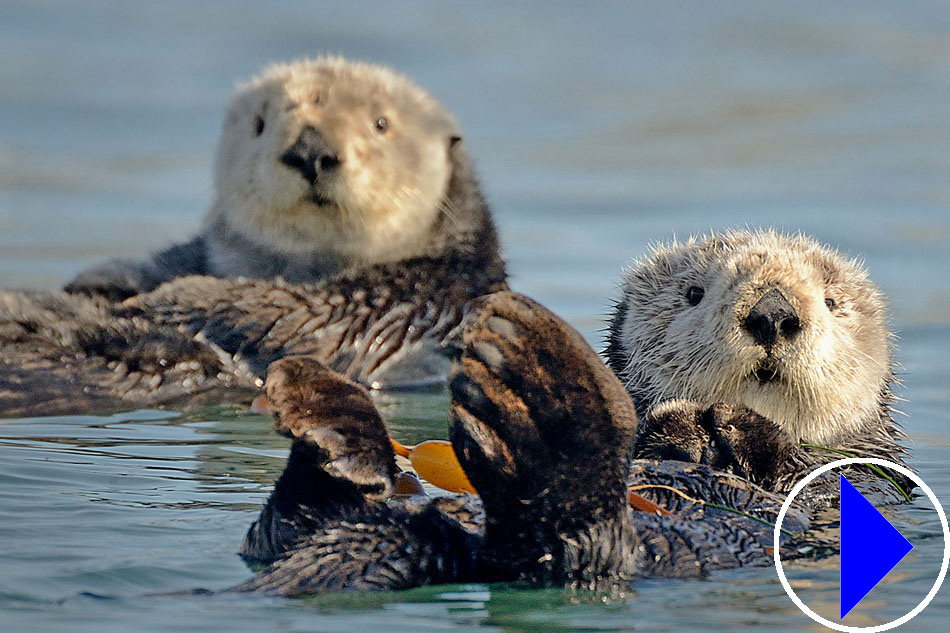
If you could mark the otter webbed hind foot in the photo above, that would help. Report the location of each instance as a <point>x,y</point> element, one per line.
<point>341,462</point>
<point>544,431</point>
<point>327,526</point>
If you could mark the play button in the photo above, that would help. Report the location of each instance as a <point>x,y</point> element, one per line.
<point>870,547</point>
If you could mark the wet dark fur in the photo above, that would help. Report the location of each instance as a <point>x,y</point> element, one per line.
<point>208,339</point>
<point>544,431</point>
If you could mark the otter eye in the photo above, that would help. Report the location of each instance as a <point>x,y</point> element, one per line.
<point>258,125</point>
<point>694,295</point>
<point>381,125</point>
<point>831,303</point>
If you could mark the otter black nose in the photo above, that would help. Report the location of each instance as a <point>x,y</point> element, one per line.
<point>310,155</point>
<point>771,318</point>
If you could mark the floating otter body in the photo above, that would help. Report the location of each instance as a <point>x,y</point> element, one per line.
<point>323,165</point>
<point>737,349</point>
<point>346,182</point>
<point>544,431</point>
<point>202,339</point>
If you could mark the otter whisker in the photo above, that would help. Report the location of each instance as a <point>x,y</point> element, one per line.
<point>446,206</point>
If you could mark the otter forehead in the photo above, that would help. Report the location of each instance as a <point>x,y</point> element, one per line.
<point>339,84</point>
<point>758,259</point>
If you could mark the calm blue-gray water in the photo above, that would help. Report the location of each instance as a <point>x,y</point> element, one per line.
<point>597,128</point>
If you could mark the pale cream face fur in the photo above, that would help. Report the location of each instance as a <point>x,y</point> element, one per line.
<point>830,376</point>
<point>378,205</point>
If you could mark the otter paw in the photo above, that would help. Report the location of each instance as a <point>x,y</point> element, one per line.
<point>115,284</point>
<point>728,437</point>
<point>756,448</point>
<point>537,419</point>
<point>323,410</point>
<point>674,430</point>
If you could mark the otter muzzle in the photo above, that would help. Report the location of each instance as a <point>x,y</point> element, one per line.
<point>771,319</point>
<point>310,155</point>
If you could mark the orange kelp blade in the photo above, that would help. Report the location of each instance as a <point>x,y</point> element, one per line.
<point>402,451</point>
<point>435,461</point>
<point>261,405</point>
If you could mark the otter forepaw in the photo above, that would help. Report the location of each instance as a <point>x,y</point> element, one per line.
<point>673,430</point>
<point>728,437</point>
<point>756,448</point>
<point>115,281</point>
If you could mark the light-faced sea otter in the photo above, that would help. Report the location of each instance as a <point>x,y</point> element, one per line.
<point>323,165</point>
<point>748,350</point>
<point>347,224</point>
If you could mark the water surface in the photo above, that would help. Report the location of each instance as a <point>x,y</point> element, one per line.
<point>596,129</point>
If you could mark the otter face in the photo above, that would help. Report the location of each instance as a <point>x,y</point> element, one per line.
<point>779,324</point>
<point>335,157</point>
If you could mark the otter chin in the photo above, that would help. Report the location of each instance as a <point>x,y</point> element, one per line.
<point>318,199</point>
<point>776,323</point>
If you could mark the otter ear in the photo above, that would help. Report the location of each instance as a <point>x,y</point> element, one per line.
<point>454,140</point>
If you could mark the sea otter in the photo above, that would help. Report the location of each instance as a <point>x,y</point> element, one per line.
<point>323,166</point>
<point>544,430</point>
<point>348,211</point>
<point>547,434</point>
<point>749,350</point>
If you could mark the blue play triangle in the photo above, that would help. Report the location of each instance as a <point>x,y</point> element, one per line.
<point>870,547</point>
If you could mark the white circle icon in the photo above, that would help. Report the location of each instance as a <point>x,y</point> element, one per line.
<point>846,462</point>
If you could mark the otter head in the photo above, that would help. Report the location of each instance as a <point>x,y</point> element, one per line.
<point>776,323</point>
<point>328,156</point>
